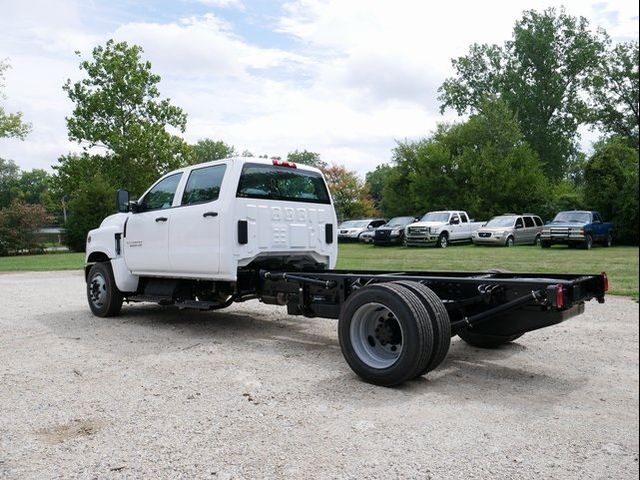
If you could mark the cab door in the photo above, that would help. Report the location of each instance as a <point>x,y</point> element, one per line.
<point>146,236</point>
<point>519,233</point>
<point>194,233</point>
<point>456,229</point>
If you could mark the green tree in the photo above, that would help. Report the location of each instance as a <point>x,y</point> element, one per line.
<point>306,157</point>
<point>542,73</point>
<point>483,165</point>
<point>611,186</point>
<point>11,124</point>
<point>207,150</point>
<point>374,181</point>
<point>614,92</point>
<point>9,176</point>
<point>33,186</point>
<point>117,107</point>
<point>93,200</point>
<point>19,223</point>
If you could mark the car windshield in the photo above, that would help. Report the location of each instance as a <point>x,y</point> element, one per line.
<point>354,224</point>
<point>399,222</point>
<point>501,222</point>
<point>435,217</point>
<point>573,217</point>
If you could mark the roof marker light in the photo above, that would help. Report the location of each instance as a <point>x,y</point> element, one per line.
<point>283,163</point>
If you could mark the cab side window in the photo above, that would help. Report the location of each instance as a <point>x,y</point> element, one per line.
<point>464,218</point>
<point>528,222</point>
<point>377,223</point>
<point>519,223</point>
<point>161,195</point>
<point>596,217</point>
<point>538,221</point>
<point>454,220</point>
<point>203,185</point>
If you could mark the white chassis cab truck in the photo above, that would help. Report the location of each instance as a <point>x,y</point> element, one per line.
<point>441,228</point>
<point>232,230</point>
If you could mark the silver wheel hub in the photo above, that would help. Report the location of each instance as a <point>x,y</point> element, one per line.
<point>376,335</point>
<point>98,290</point>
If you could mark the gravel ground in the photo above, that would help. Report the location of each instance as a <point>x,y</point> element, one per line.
<point>250,392</point>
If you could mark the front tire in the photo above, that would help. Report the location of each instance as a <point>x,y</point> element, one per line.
<point>510,242</point>
<point>544,244</point>
<point>588,242</point>
<point>385,334</point>
<point>105,300</point>
<point>443,240</point>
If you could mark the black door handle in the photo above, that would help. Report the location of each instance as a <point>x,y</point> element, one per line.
<point>210,214</point>
<point>161,219</point>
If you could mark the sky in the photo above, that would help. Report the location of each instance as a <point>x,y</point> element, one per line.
<point>344,78</point>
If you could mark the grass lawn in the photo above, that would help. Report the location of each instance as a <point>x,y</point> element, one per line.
<point>620,263</point>
<point>47,261</point>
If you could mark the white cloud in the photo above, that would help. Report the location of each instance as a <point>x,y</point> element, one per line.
<point>222,3</point>
<point>346,79</point>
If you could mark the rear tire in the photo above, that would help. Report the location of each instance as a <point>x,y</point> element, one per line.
<point>482,340</point>
<point>536,242</point>
<point>105,300</point>
<point>440,322</point>
<point>385,334</point>
<point>608,241</point>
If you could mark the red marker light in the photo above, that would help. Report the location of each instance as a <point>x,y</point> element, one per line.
<point>559,296</point>
<point>605,281</point>
<point>283,163</point>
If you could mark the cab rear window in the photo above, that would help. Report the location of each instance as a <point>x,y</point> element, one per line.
<point>272,182</point>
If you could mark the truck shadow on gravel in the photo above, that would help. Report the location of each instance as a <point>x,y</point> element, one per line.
<point>150,329</point>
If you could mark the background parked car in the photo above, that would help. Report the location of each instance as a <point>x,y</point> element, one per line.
<point>577,228</point>
<point>393,232</point>
<point>510,229</point>
<point>441,228</point>
<point>352,229</point>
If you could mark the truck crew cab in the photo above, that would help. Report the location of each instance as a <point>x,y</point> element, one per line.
<point>209,235</point>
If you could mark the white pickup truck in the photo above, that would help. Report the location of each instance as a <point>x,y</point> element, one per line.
<point>238,229</point>
<point>441,228</point>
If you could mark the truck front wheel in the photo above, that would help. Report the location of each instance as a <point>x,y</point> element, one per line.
<point>105,300</point>
<point>443,240</point>
<point>588,242</point>
<point>386,334</point>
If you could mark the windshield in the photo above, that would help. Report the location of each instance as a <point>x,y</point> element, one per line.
<point>354,224</point>
<point>435,217</point>
<point>399,222</point>
<point>273,182</point>
<point>501,222</point>
<point>573,217</point>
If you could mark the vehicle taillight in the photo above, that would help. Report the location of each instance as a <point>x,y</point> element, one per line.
<point>283,163</point>
<point>605,281</point>
<point>559,296</point>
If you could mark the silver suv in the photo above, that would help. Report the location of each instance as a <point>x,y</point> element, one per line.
<point>510,229</point>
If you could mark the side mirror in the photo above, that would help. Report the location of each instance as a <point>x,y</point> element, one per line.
<point>455,221</point>
<point>519,227</point>
<point>122,200</point>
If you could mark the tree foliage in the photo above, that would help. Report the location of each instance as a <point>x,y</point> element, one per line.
<point>611,186</point>
<point>483,165</point>
<point>207,150</point>
<point>306,157</point>
<point>11,124</point>
<point>93,200</point>
<point>542,74</point>
<point>117,107</point>
<point>19,223</point>
<point>614,92</point>
<point>350,198</point>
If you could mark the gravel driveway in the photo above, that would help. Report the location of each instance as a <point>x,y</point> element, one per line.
<point>250,392</point>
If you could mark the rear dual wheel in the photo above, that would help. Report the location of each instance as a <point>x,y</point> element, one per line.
<point>392,332</point>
